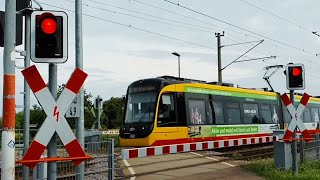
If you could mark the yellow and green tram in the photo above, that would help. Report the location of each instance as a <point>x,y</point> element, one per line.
<point>169,110</point>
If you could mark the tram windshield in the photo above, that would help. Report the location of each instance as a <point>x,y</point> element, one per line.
<point>140,107</point>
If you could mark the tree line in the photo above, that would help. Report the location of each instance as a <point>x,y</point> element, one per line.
<point>111,117</point>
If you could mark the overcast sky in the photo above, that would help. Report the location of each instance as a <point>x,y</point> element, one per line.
<point>125,40</point>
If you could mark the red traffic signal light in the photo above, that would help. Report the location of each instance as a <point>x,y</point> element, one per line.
<point>49,37</point>
<point>296,71</point>
<point>49,25</point>
<point>295,76</point>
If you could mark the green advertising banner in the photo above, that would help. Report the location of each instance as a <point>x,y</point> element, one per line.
<point>234,130</point>
<point>213,131</point>
<point>228,93</point>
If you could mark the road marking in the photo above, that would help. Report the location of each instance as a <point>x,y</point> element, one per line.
<point>130,169</point>
<point>231,165</point>
<point>212,158</point>
<point>228,164</point>
<point>126,163</point>
<point>196,154</point>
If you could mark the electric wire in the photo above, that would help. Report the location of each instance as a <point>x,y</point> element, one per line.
<point>133,27</point>
<point>150,15</point>
<point>277,16</point>
<point>147,31</point>
<point>279,58</point>
<point>195,19</point>
<point>229,52</point>
<point>145,18</point>
<point>269,42</point>
<point>238,27</point>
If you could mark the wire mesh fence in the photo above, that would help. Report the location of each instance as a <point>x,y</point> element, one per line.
<point>101,166</point>
<point>310,151</point>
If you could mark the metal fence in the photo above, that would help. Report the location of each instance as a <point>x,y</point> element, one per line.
<point>310,151</point>
<point>102,166</point>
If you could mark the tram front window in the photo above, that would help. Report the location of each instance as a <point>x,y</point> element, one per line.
<point>140,107</point>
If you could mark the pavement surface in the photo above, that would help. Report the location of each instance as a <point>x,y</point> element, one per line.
<point>183,166</point>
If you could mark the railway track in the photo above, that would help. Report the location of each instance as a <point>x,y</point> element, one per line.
<point>248,153</point>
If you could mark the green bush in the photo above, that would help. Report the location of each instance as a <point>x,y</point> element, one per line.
<point>105,137</point>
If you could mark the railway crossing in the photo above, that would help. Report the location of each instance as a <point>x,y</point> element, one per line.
<point>189,147</point>
<point>55,121</point>
<point>296,117</point>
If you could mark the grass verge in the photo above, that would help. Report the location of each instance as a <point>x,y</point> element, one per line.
<point>267,169</point>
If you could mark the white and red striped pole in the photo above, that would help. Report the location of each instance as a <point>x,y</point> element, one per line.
<point>9,89</point>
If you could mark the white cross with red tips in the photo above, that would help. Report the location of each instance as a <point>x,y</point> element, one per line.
<point>296,120</point>
<point>55,110</point>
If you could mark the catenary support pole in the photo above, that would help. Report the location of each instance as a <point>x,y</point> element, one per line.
<point>9,89</point>
<point>52,146</point>
<point>218,35</point>
<point>26,96</point>
<point>79,64</point>
<point>179,65</point>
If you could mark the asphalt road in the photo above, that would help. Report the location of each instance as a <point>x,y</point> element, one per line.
<point>183,166</point>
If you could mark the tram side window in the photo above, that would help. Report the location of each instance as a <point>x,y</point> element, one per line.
<point>166,113</point>
<point>217,112</point>
<point>233,113</point>
<point>197,111</point>
<point>314,115</point>
<point>251,115</point>
<point>307,115</point>
<point>266,114</point>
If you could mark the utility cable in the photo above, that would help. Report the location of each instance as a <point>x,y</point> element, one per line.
<point>238,27</point>
<point>136,28</point>
<point>277,16</point>
<point>150,15</point>
<point>195,19</point>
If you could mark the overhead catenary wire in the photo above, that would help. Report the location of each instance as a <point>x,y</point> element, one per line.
<point>151,20</point>
<point>130,26</point>
<point>238,27</point>
<point>247,35</point>
<point>194,19</point>
<point>279,58</point>
<point>150,15</point>
<point>146,18</point>
<point>277,16</point>
<point>133,27</point>
<point>242,55</point>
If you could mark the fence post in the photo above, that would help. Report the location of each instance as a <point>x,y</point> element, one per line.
<point>318,146</point>
<point>302,149</point>
<point>111,159</point>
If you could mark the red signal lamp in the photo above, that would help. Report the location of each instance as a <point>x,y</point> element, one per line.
<point>296,71</point>
<point>49,25</point>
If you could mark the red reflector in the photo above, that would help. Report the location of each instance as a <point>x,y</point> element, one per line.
<point>49,26</point>
<point>296,71</point>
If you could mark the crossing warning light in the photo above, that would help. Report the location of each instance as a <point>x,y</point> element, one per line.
<point>295,76</point>
<point>49,37</point>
